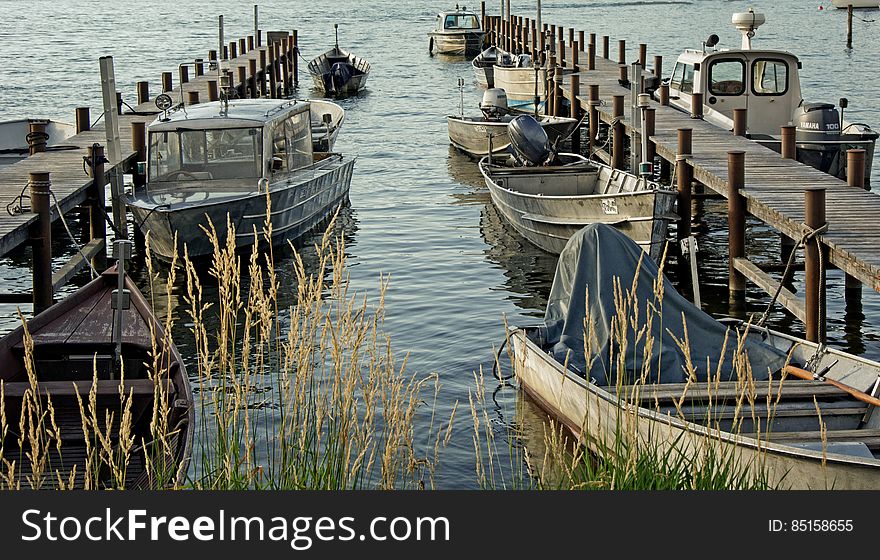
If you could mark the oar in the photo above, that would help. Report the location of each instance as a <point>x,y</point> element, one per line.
<point>804,374</point>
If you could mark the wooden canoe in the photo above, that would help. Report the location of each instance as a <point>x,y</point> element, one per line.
<point>72,341</point>
<point>779,429</point>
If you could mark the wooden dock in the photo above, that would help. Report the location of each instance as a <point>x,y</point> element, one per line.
<point>255,69</point>
<point>772,188</point>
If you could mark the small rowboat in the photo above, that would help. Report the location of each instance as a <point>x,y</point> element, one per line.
<point>801,433</point>
<point>74,341</point>
<point>326,121</point>
<point>471,134</point>
<point>339,73</point>
<point>483,65</point>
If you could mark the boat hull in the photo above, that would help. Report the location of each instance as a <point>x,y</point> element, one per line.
<point>855,3</point>
<point>472,135</point>
<point>337,73</point>
<point>458,43</point>
<point>519,83</point>
<point>593,414</point>
<point>296,208</point>
<point>549,220</point>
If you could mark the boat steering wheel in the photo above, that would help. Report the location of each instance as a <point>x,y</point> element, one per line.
<point>178,174</point>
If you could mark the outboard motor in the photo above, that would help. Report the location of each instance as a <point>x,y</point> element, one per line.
<point>340,74</point>
<point>523,61</point>
<point>494,103</point>
<point>817,134</point>
<point>528,141</point>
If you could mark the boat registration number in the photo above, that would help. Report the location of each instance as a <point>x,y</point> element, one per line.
<point>609,206</point>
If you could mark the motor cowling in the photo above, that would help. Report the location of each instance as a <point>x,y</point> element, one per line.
<point>529,141</point>
<point>817,122</point>
<point>494,103</point>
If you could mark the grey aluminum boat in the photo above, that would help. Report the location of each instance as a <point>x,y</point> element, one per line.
<point>484,64</point>
<point>458,32</point>
<point>800,433</point>
<point>326,122</point>
<point>218,161</point>
<point>337,73</point>
<point>471,134</point>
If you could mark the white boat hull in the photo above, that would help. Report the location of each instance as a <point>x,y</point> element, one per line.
<point>471,135</point>
<point>456,43</point>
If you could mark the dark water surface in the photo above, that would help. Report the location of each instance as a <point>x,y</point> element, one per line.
<point>419,211</point>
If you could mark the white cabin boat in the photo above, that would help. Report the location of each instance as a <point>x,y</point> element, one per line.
<point>14,137</point>
<point>220,161</point>
<point>855,3</point>
<point>767,84</point>
<point>458,32</point>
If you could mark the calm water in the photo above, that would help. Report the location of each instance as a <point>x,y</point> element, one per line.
<point>419,211</point>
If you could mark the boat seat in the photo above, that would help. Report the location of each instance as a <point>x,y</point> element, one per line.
<point>136,387</point>
<point>726,391</point>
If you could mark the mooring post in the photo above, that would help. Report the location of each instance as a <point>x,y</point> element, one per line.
<point>250,43</point>
<point>621,51</point>
<point>37,137</point>
<point>591,56</point>
<point>561,50</point>
<point>97,203</point>
<point>582,39</point>
<point>143,92</point>
<point>272,67</point>
<point>41,240</point>
<point>855,177</point>
<point>192,98</point>
<point>295,58</point>
<point>593,96</point>
<point>697,106</point>
<point>252,78</point>
<point>650,130</point>
<point>575,47</point>
<point>261,75</point>
<point>483,15</point>
<point>575,112</point>
<point>139,146</point>
<point>788,150</point>
<point>736,220</point>
<point>849,20</point>
<point>684,174</point>
<point>550,108</point>
<point>184,74</point>
<point>622,72</point>
<point>740,117</point>
<point>643,55</point>
<point>533,36</point>
<point>212,55</point>
<point>606,47</point>
<point>814,277</point>
<point>233,50</point>
<point>242,81</point>
<point>167,84</point>
<point>658,66</point>
<point>200,67</point>
<point>617,142</point>
<point>83,119</point>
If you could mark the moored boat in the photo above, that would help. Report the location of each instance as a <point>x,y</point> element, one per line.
<point>326,121</point>
<point>224,159</point>
<point>547,204</point>
<point>17,135</point>
<point>458,32</point>
<point>483,65</point>
<point>701,398</point>
<point>338,73</point>
<point>97,354</point>
<point>855,3</point>
<point>766,84</point>
<point>472,134</point>
<point>522,80</point>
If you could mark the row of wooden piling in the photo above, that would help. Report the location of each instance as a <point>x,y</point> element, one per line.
<point>521,35</point>
<point>273,72</point>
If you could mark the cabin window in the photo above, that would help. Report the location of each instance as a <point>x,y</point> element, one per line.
<point>461,22</point>
<point>683,78</point>
<point>769,76</point>
<point>727,77</point>
<point>186,155</point>
<point>299,140</point>
<point>279,147</point>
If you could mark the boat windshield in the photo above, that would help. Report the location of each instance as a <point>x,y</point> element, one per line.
<point>468,21</point>
<point>224,153</point>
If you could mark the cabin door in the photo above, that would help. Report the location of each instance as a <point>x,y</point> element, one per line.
<point>773,99</point>
<point>726,86</point>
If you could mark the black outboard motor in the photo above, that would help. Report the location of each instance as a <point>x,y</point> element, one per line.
<point>528,141</point>
<point>340,74</point>
<point>817,135</point>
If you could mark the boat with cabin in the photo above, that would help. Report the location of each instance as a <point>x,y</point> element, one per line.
<point>337,73</point>
<point>18,135</point>
<point>457,32</point>
<point>475,135</point>
<point>766,83</point>
<point>547,197</point>
<point>93,356</point>
<point>844,4</point>
<point>226,160</point>
<point>794,413</point>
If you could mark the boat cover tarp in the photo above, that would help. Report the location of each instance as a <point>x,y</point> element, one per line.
<point>588,268</point>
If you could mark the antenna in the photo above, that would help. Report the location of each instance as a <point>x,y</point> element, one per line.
<point>336,30</point>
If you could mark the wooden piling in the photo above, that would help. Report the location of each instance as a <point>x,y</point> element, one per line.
<point>37,137</point>
<point>200,67</point>
<point>483,15</point>
<point>740,118</point>
<point>643,55</point>
<point>184,74</point>
<point>575,112</point>
<point>697,106</point>
<point>621,51</point>
<point>233,50</point>
<point>139,146</point>
<point>664,95</point>
<point>143,92</point>
<point>814,263</point>
<point>658,66</point>
<point>736,220</point>
<point>622,71</point>
<point>295,57</point>
<point>650,130</point>
<point>591,56</point>
<point>560,49</point>
<point>549,85</point>
<point>606,47</point>
<point>242,81</point>
<point>261,75</point>
<point>575,48</point>
<point>789,148</point>
<point>192,98</point>
<point>582,39</point>
<point>167,83</point>
<point>83,119</point>
<point>684,174</point>
<point>250,43</point>
<point>96,202</point>
<point>252,78</point>
<point>855,177</point>
<point>593,95</point>
<point>617,142</point>
<point>41,240</point>
<point>849,23</point>
<point>212,55</point>
<point>272,69</point>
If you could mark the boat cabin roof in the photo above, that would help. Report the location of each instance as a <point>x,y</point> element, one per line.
<point>694,56</point>
<point>460,18</point>
<point>241,113</point>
